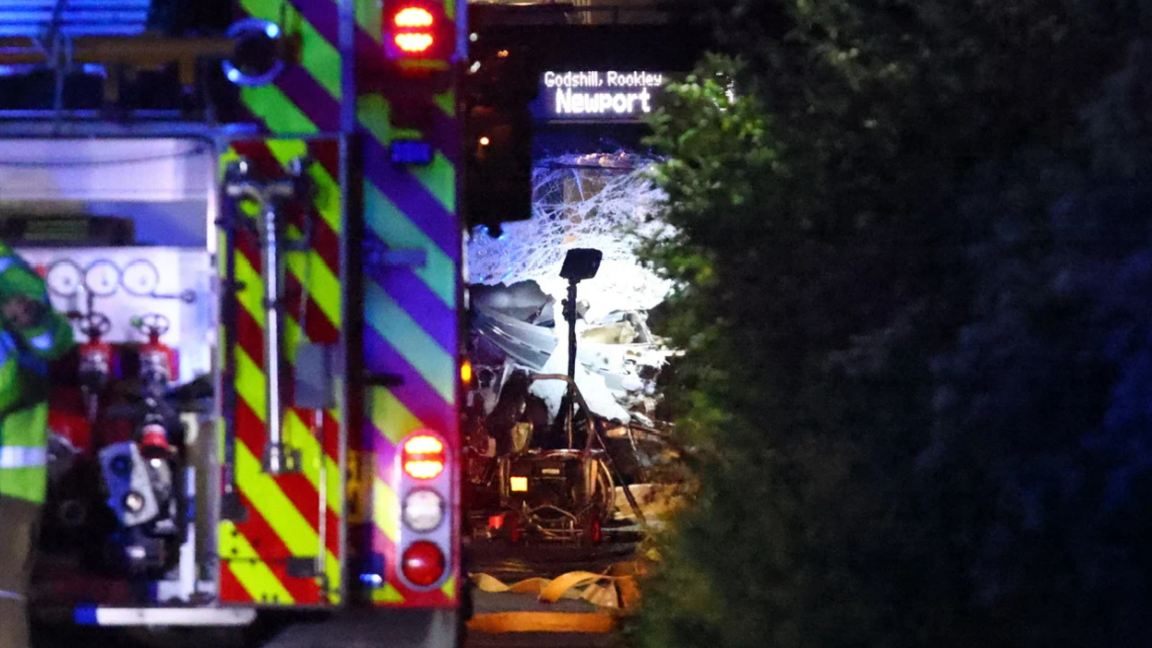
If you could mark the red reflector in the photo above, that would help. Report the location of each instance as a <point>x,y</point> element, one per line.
<point>414,43</point>
<point>423,456</point>
<point>423,563</point>
<point>413,17</point>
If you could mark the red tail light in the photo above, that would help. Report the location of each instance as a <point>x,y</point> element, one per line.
<point>413,17</point>
<point>423,456</point>
<point>413,30</point>
<point>417,32</point>
<point>414,43</point>
<point>423,563</point>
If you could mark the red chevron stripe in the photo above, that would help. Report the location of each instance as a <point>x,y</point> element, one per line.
<point>293,214</point>
<point>327,153</point>
<point>249,336</point>
<point>331,449</point>
<point>325,241</point>
<point>230,588</point>
<point>331,438</point>
<point>326,244</point>
<point>260,156</point>
<point>250,430</point>
<point>274,553</point>
<point>382,545</point>
<point>247,239</point>
<point>296,487</point>
<point>320,328</point>
<point>248,245</point>
<point>258,153</point>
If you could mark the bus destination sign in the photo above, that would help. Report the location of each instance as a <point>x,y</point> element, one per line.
<point>598,95</point>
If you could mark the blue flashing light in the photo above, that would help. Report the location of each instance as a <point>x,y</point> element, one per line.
<point>272,30</point>
<point>86,616</point>
<point>374,581</point>
<point>411,152</point>
<point>234,75</point>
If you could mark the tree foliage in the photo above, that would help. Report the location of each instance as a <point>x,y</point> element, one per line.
<point>912,269</point>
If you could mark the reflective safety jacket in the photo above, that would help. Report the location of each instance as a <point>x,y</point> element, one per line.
<point>24,357</point>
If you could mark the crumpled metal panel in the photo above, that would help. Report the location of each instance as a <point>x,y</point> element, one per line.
<point>76,17</point>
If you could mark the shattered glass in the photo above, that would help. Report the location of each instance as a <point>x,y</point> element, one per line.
<point>605,202</point>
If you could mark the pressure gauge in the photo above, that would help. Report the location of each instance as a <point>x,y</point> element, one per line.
<point>102,278</point>
<point>64,278</point>
<point>141,278</point>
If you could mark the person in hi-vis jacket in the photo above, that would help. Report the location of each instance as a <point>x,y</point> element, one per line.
<point>32,336</point>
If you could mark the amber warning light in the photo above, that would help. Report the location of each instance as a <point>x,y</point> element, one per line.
<point>416,33</point>
<point>414,43</point>
<point>423,456</point>
<point>413,17</point>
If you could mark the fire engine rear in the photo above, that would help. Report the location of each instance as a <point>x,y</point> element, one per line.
<point>257,236</point>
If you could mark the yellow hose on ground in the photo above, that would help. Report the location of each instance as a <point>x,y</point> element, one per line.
<point>504,622</point>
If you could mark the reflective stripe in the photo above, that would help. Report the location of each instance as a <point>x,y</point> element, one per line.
<point>5,594</point>
<point>17,457</point>
<point>185,617</point>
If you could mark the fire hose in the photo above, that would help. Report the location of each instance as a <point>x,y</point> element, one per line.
<point>615,592</point>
